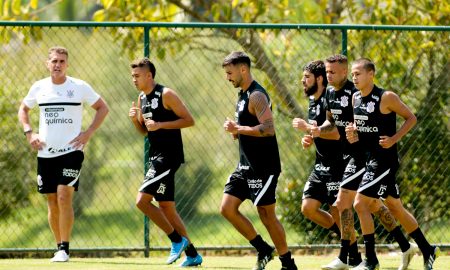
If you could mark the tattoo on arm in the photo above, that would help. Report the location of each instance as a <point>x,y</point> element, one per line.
<point>331,125</point>
<point>260,105</point>
<point>266,128</point>
<point>386,218</point>
<point>347,224</point>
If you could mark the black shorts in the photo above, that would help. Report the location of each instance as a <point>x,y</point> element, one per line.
<point>379,179</point>
<point>353,172</point>
<point>322,187</point>
<point>159,181</point>
<point>60,170</point>
<point>260,189</point>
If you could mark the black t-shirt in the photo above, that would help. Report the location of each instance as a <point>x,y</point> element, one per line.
<point>164,143</point>
<point>372,124</point>
<point>257,154</point>
<point>328,152</point>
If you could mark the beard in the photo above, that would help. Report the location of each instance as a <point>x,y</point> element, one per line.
<point>309,91</point>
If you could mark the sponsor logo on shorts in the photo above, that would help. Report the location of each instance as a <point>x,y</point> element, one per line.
<point>321,168</point>
<point>382,190</point>
<point>39,181</point>
<point>368,176</point>
<point>161,189</point>
<point>331,186</point>
<point>254,183</point>
<point>243,167</point>
<point>70,173</point>
<point>150,173</point>
<point>350,168</point>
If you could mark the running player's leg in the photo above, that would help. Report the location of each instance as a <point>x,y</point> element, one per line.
<point>144,203</point>
<point>411,226</point>
<point>263,196</point>
<point>169,210</point>
<point>348,253</point>
<point>315,193</point>
<point>159,184</point>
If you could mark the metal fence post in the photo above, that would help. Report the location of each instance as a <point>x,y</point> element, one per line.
<point>146,153</point>
<point>344,41</point>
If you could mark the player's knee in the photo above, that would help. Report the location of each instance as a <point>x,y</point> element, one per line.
<point>308,211</point>
<point>140,203</point>
<point>227,211</point>
<point>360,206</point>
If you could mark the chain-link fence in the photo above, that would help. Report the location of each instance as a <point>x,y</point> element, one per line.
<point>413,62</point>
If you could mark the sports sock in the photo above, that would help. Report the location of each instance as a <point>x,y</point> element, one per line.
<point>58,245</point>
<point>353,250</point>
<point>174,237</point>
<point>191,251</point>
<point>286,259</point>
<point>335,229</point>
<point>369,243</point>
<point>422,242</point>
<point>260,244</point>
<point>343,252</point>
<point>400,238</point>
<point>64,246</point>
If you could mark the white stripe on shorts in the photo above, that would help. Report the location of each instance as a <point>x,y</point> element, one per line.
<point>266,186</point>
<point>374,181</point>
<point>71,184</point>
<point>352,177</point>
<point>154,180</point>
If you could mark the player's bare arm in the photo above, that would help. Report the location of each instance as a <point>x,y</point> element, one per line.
<point>32,137</point>
<point>390,102</point>
<point>101,111</point>
<point>172,102</point>
<point>259,106</point>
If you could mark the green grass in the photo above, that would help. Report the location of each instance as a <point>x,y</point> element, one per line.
<point>388,261</point>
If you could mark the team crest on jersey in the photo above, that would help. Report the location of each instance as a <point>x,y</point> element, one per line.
<point>344,101</point>
<point>70,93</point>
<point>154,103</point>
<point>370,107</point>
<point>318,109</point>
<point>241,105</point>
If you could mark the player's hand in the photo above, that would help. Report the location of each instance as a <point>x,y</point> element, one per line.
<point>81,140</point>
<point>231,126</point>
<point>300,124</point>
<point>314,130</point>
<point>35,141</point>
<point>386,141</point>
<point>134,112</point>
<point>307,141</point>
<point>151,124</point>
<point>351,133</point>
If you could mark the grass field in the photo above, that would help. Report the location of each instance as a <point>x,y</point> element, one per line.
<point>387,261</point>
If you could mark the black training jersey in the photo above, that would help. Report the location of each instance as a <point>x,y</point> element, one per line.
<point>257,154</point>
<point>327,151</point>
<point>164,143</point>
<point>339,104</point>
<point>372,124</point>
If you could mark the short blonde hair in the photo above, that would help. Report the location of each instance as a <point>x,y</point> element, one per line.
<point>59,50</point>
